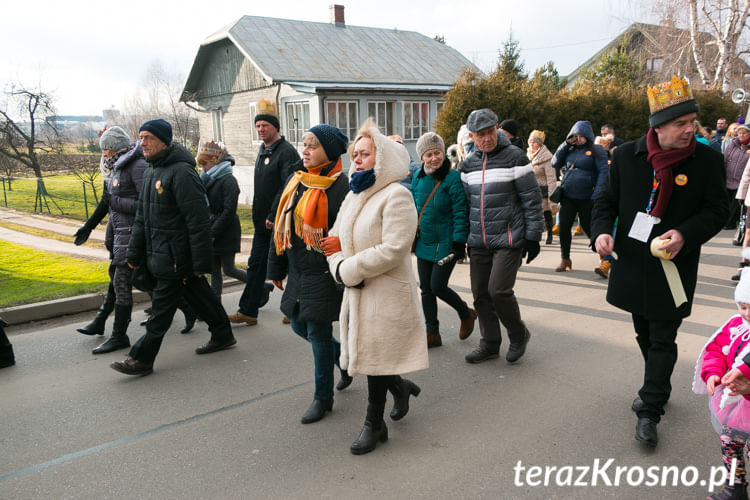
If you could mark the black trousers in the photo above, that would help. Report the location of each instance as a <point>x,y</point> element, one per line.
<point>568,210</point>
<point>164,298</point>
<point>656,339</point>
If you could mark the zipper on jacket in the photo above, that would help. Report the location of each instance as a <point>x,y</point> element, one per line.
<point>510,237</point>
<point>437,234</point>
<point>481,202</point>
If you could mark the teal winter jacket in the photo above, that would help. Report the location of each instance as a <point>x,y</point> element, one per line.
<point>446,217</point>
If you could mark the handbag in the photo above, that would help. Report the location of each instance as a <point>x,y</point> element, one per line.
<point>739,236</point>
<point>416,236</point>
<point>556,195</point>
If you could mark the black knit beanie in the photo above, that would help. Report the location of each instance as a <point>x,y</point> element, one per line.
<point>272,119</point>
<point>334,142</point>
<point>160,128</point>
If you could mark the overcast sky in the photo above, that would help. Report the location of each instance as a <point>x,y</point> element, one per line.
<point>93,55</point>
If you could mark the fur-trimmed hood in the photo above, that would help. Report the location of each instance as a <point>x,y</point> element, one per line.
<point>391,162</point>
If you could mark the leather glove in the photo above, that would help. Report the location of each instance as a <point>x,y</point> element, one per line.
<point>458,250</point>
<point>530,250</point>
<point>82,235</point>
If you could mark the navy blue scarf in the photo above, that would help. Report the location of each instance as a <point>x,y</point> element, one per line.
<point>362,180</point>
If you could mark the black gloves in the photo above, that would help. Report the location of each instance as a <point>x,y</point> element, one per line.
<point>530,250</point>
<point>82,235</point>
<point>458,250</point>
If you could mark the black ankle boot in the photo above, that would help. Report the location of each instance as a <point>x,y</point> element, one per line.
<point>96,327</point>
<point>373,431</point>
<point>401,391</point>
<point>6,348</point>
<point>190,318</point>
<point>119,338</point>
<point>317,410</point>
<point>345,380</point>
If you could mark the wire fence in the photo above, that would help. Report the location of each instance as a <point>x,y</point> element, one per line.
<point>65,195</point>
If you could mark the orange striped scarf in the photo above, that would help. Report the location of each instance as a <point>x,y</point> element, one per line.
<point>310,217</point>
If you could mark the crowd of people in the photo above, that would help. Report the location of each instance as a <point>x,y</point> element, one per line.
<point>340,244</point>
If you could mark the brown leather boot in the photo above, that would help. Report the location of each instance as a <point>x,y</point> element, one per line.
<point>565,265</point>
<point>467,325</point>
<point>434,340</point>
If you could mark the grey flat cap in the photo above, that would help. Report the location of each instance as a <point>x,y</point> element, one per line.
<point>480,119</point>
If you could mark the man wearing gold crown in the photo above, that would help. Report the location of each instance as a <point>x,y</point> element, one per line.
<point>272,168</point>
<point>662,186</point>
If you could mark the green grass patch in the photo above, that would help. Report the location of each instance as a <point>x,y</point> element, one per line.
<point>64,196</point>
<point>50,235</point>
<point>28,275</point>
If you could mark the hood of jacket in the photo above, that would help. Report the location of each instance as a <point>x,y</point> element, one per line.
<point>135,152</point>
<point>583,128</point>
<point>391,161</point>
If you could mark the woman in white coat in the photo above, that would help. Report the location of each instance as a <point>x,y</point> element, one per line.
<point>382,325</point>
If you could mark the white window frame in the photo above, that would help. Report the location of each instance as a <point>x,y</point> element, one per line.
<point>655,64</point>
<point>253,108</point>
<point>294,132</point>
<point>349,129</point>
<point>217,124</point>
<point>389,111</point>
<point>438,106</point>
<point>416,128</point>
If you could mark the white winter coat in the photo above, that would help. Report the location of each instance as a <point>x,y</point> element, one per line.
<point>382,324</point>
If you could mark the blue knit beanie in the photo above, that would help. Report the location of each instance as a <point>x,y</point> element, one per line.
<point>334,142</point>
<point>160,128</point>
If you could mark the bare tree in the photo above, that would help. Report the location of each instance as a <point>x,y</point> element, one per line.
<point>712,33</point>
<point>86,168</point>
<point>160,97</point>
<point>25,127</point>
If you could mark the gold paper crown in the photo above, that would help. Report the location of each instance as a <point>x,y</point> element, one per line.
<point>209,148</point>
<point>669,93</point>
<point>266,107</point>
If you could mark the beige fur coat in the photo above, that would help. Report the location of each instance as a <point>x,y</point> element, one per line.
<point>382,324</point>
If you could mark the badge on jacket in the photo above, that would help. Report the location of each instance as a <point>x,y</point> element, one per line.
<point>267,160</point>
<point>681,180</point>
<point>158,187</point>
<point>115,181</point>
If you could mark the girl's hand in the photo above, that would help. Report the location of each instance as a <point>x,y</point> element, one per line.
<point>711,383</point>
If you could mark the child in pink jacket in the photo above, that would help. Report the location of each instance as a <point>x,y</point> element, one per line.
<point>730,415</point>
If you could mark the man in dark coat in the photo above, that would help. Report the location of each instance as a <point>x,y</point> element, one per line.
<point>172,238</point>
<point>505,225</point>
<point>272,168</point>
<point>665,186</point>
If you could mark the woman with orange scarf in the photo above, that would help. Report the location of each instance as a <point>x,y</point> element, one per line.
<point>307,208</point>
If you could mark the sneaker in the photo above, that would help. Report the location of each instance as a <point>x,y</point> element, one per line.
<point>481,353</point>
<point>238,317</point>
<point>603,269</point>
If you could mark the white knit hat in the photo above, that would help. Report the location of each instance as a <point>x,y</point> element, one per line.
<point>742,292</point>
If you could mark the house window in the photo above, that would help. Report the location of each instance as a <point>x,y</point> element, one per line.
<point>297,120</point>
<point>344,115</point>
<point>416,119</point>
<point>217,125</point>
<point>384,113</point>
<point>654,63</point>
<point>438,107</point>
<point>253,112</point>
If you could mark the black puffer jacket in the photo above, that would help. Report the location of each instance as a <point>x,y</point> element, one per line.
<point>272,168</point>
<point>172,230</point>
<point>123,187</point>
<point>505,203</point>
<point>223,192</point>
<point>310,284</point>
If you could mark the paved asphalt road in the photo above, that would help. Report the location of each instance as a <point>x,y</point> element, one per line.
<point>226,425</point>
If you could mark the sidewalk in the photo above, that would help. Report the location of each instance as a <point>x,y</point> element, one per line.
<point>67,227</point>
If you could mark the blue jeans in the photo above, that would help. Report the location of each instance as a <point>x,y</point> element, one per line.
<point>257,265</point>
<point>326,350</point>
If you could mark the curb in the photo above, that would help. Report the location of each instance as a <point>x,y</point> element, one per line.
<point>28,313</point>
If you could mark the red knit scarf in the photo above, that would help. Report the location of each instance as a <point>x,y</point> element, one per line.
<point>663,161</point>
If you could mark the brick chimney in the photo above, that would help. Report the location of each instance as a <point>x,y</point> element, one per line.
<point>337,15</point>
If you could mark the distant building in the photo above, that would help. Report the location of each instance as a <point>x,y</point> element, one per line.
<point>317,73</point>
<point>663,51</point>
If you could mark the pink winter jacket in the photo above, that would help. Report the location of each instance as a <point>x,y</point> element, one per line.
<point>725,348</point>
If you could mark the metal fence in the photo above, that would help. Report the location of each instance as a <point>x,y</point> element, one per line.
<point>64,195</point>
